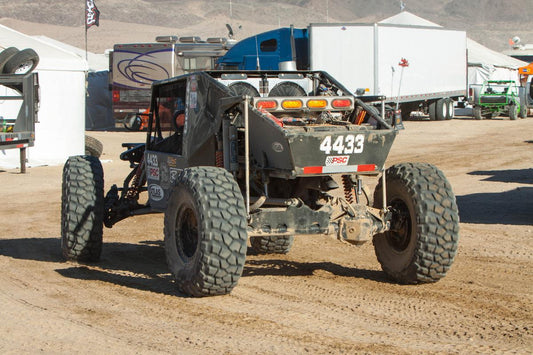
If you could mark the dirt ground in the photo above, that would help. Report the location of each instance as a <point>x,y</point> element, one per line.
<point>323,297</point>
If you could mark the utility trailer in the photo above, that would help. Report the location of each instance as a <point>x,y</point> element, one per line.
<point>19,104</point>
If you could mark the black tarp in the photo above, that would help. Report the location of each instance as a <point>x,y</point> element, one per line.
<point>98,104</point>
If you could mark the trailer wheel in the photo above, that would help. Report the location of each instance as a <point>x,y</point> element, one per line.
<point>422,242</point>
<point>450,111</point>
<point>82,208</point>
<point>432,110</point>
<point>513,112</point>
<point>6,55</point>
<point>273,244</point>
<point>93,147</point>
<point>477,113</point>
<point>22,62</point>
<point>441,110</point>
<point>205,232</point>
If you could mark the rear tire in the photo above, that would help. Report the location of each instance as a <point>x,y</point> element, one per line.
<point>523,111</point>
<point>477,113</point>
<point>206,232</point>
<point>82,208</point>
<point>422,242</point>
<point>450,110</point>
<point>273,244</point>
<point>441,110</point>
<point>432,111</point>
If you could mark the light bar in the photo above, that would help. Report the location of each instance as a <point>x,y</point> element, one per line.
<point>311,103</point>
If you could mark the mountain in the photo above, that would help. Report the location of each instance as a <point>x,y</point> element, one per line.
<point>490,22</point>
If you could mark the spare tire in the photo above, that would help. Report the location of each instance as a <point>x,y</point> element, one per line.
<point>93,147</point>
<point>6,55</point>
<point>287,88</point>
<point>22,62</point>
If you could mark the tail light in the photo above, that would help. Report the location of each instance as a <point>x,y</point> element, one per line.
<point>266,104</point>
<point>341,103</point>
<point>116,95</point>
<point>292,104</point>
<point>317,103</point>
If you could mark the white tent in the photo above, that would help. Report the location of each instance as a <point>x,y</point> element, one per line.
<point>96,62</point>
<point>407,18</point>
<point>486,64</point>
<point>59,132</point>
<point>483,63</point>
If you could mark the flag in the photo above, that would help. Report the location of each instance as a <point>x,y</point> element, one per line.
<point>92,15</point>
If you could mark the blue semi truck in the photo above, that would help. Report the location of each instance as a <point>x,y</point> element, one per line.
<point>367,59</point>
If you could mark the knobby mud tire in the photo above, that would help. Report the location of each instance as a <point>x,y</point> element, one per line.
<point>82,208</point>
<point>273,244</point>
<point>422,243</point>
<point>206,232</point>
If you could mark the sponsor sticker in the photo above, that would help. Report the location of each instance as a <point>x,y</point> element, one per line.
<point>156,192</point>
<point>277,147</point>
<point>337,160</point>
<point>173,175</point>
<point>153,173</point>
<point>151,160</point>
<point>172,161</point>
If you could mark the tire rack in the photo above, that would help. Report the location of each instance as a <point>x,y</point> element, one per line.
<point>23,134</point>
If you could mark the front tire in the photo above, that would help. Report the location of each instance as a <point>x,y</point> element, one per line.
<point>205,232</point>
<point>513,112</point>
<point>82,208</point>
<point>422,242</point>
<point>273,244</point>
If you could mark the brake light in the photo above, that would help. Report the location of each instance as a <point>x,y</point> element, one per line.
<point>116,96</point>
<point>266,104</point>
<point>292,104</point>
<point>341,103</point>
<point>317,103</point>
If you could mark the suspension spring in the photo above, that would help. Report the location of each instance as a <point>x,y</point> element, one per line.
<point>347,184</point>
<point>219,158</point>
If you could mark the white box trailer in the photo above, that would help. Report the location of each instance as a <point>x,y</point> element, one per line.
<point>367,57</point>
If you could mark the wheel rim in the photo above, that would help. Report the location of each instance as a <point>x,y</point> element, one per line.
<point>186,233</point>
<point>400,232</point>
<point>24,67</point>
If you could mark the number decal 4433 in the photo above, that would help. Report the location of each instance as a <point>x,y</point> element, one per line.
<point>349,144</point>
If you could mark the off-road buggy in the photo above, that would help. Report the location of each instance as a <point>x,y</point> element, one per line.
<point>497,97</point>
<point>265,156</point>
